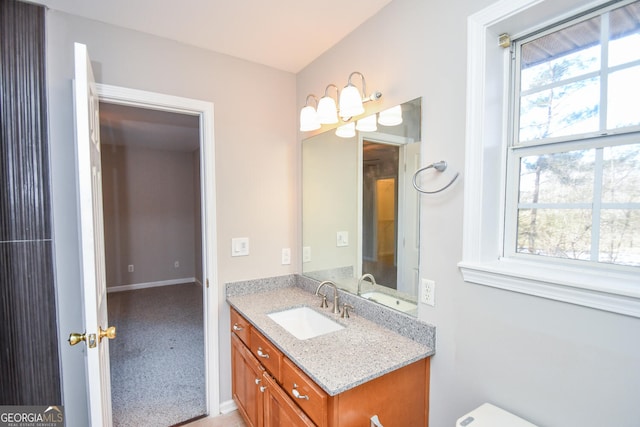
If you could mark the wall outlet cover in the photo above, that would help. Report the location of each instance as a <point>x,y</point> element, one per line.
<point>306,254</point>
<point>428,292</point>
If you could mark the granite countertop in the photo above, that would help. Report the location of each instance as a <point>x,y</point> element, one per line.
<point>337,361</point>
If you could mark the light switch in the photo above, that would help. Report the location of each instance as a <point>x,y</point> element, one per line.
<point>342,238</point>
<point>286,256</point>
<point>240,246</point>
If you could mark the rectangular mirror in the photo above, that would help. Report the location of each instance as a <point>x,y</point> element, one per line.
<point>360,212</point>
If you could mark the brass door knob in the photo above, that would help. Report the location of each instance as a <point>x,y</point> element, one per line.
<point>110,333</point>
<point>75,338</point>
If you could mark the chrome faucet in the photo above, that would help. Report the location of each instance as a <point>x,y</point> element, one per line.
<point>336,308</point>
<point>366,276</point>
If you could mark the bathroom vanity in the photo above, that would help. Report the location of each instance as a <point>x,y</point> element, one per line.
<point>340,378</point>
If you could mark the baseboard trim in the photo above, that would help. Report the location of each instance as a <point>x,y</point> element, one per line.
<point>136,286</point>
<point>228,406</point>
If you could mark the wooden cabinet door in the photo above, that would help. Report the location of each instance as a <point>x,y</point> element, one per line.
<point>279,410</point>
<point>246,380</point>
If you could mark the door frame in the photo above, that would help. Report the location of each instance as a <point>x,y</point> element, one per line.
<point>204,110</point>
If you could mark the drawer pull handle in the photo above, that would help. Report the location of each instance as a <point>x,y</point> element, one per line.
<point>297,394</point>
<point>261,354</point>
<point>375,421</point>
<point>237,328</point>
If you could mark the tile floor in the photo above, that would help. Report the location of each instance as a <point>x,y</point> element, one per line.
<point>232,419</point>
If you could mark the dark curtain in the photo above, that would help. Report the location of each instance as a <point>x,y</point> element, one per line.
<point>29,358</point>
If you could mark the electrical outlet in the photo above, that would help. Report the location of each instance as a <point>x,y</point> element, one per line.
<point>130,268</point>
<point>428,293</point>
<point>286,256</point>
<point>306,254</point>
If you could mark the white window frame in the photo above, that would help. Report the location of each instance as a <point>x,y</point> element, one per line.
<point>487,142</point>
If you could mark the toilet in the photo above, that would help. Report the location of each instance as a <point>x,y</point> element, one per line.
<point>488,415</point>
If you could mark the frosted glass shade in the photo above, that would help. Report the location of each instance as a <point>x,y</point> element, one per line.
<point>327,111</point>
<point>308,119</point>
<point>391,117</point>
<point>367,124</point>
<point>346,131</point>
<point>350,102</point>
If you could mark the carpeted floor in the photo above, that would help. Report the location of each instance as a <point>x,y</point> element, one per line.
<point>157,359</point>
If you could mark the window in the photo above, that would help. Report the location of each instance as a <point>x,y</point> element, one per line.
<point>575,148</point>
<point>552,188</point>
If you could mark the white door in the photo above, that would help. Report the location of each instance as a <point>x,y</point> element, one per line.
<point>92,240</point>
<point>409,220</point>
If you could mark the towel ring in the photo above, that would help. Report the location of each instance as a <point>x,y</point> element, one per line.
<point>440,167</point>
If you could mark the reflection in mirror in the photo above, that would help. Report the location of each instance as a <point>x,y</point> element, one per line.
<point>360,211</point>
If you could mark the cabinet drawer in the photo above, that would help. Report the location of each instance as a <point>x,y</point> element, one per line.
<point>240,326</point>
<point>267,353</point>
<point>304,391</point>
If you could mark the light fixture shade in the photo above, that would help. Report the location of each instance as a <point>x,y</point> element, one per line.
<point>346,131</point>
<point>367,124</point>
<point>391,117</point>
<point>327,111</point>
<point>350,102</point>
<point>308,119</point>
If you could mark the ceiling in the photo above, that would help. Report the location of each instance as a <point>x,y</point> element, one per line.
<point>283,34</point>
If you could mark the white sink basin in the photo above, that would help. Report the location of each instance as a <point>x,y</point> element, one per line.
<point>304,322</point>
<point>390,301</point>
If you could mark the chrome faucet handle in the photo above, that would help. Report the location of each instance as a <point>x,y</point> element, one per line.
<point>345,310</point>
<point>323,303</point>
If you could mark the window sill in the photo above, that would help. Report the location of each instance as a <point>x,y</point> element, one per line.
<point>615,292</point>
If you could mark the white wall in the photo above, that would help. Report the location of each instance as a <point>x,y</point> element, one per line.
<point>553,363</point>
<point>331,175</point>
<point>255,136</point>
<point>149,214</point>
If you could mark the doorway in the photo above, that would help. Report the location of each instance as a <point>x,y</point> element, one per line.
<point>204,272</point>
<point>389,210</point>
<point>153,250</point>
<point>380,213</point>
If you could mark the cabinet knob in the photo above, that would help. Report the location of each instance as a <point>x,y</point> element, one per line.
<point>237,328</point>
<point>261,354</point>
<point>258,380</point>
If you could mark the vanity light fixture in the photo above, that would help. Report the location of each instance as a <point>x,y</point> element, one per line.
<point>367,124</point>
<point>346,131</point>
<point>327,110</point>
<point>309,116</point>
<point>351,102</point>
<point>391,116</point>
